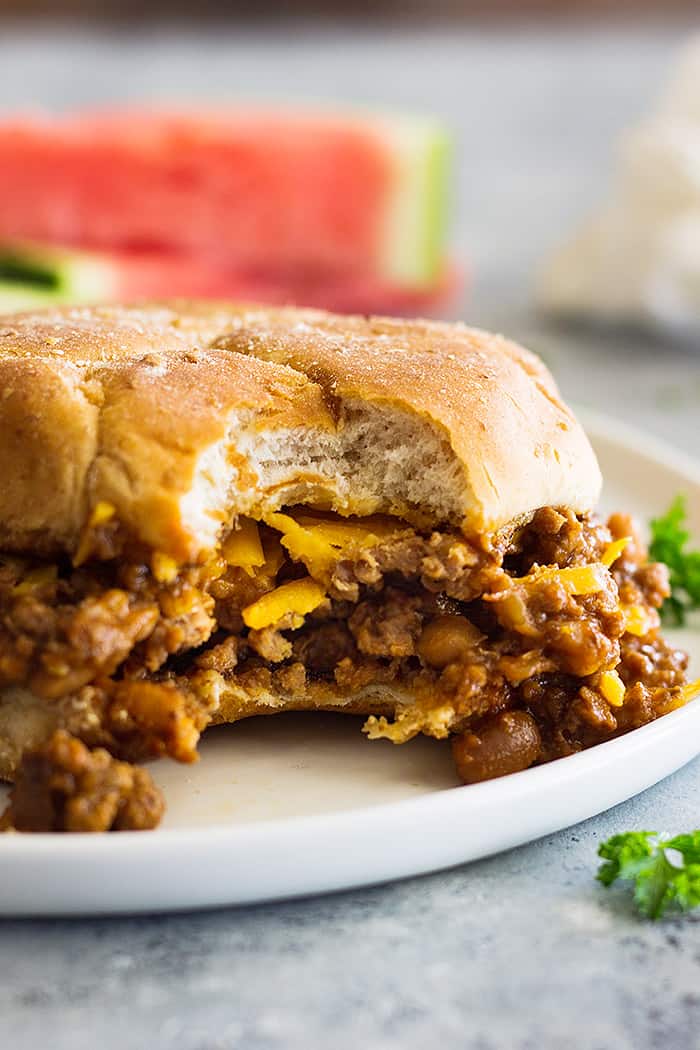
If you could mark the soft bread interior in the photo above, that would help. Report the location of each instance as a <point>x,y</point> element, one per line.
<point>378,460</point>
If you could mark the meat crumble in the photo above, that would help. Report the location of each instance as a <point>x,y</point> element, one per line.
<point>541,645</point>
<point>64,786</point>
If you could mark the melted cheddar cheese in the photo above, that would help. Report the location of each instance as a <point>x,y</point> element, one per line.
<point>243,548</point>
<point>613,688</point>
<point>296,598</point>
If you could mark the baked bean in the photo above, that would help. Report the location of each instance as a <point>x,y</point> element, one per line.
<point>503,743</point>
<point>446,640</point>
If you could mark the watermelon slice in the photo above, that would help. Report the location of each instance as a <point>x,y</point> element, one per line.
<point>321,209</point>
<point>36,276</point>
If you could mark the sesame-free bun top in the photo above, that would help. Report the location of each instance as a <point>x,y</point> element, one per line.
<point>182,416</point>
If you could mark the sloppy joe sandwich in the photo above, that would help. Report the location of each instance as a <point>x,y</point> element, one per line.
<point>212,512</point>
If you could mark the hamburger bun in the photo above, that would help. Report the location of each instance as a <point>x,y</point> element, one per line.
<point>184,416</point>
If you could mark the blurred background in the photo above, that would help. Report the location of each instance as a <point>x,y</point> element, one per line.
<point>535,95</point>
<point>422,8</point>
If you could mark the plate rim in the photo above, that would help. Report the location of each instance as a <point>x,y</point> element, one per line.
<point>636,441</point>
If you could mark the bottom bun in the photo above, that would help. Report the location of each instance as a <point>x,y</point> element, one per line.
<point>27,722</point>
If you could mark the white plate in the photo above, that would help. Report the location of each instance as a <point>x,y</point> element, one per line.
<point>302,804</point>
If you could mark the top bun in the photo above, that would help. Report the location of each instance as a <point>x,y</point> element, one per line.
<point>184,415</point>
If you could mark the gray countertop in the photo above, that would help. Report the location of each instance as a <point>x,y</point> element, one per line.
<point>523,951</point>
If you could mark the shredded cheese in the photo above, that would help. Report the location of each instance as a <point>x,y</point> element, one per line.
<point>317,554</point>
<point>101,513</point>
<point>36,578</point>
<point>583,579</point>
<point>638,620</point>
<point>690,691</point>
<point>613,688</point>
<point>298,597</point>
<point>320,542</point>
<point>163,567</point>
<point>614,551</point>
<point>344,533</point>
<point>275,556</point>
<point>578,579</point>
<point>243,548</point>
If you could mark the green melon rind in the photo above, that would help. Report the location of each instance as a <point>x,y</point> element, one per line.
<point>413,244</point>
<point>15,297</point>
<point>76,277</point>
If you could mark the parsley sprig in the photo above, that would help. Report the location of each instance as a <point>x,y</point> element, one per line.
<point>669,543</point>
<point>665,871</point>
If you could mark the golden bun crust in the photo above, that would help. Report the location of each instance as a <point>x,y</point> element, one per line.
<point>519,445</point>
<point>183,415</point>
<point>120,405</point>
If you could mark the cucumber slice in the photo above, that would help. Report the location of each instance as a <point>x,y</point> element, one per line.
<point>413,247</point>
<point>34,276</point>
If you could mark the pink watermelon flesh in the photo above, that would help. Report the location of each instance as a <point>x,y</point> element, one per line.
<point>259,191</point>
<point>167,275</point>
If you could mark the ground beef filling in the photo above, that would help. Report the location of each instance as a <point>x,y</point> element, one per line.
<point>475,635</point>
<point>65,786</point>
<point>499,649</point>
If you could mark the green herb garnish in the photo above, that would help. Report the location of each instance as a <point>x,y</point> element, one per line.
<point>669,540</point>
<point>665,871</point>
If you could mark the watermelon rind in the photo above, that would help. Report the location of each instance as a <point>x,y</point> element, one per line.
<point>36,276</point>
<point>413,244</point>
